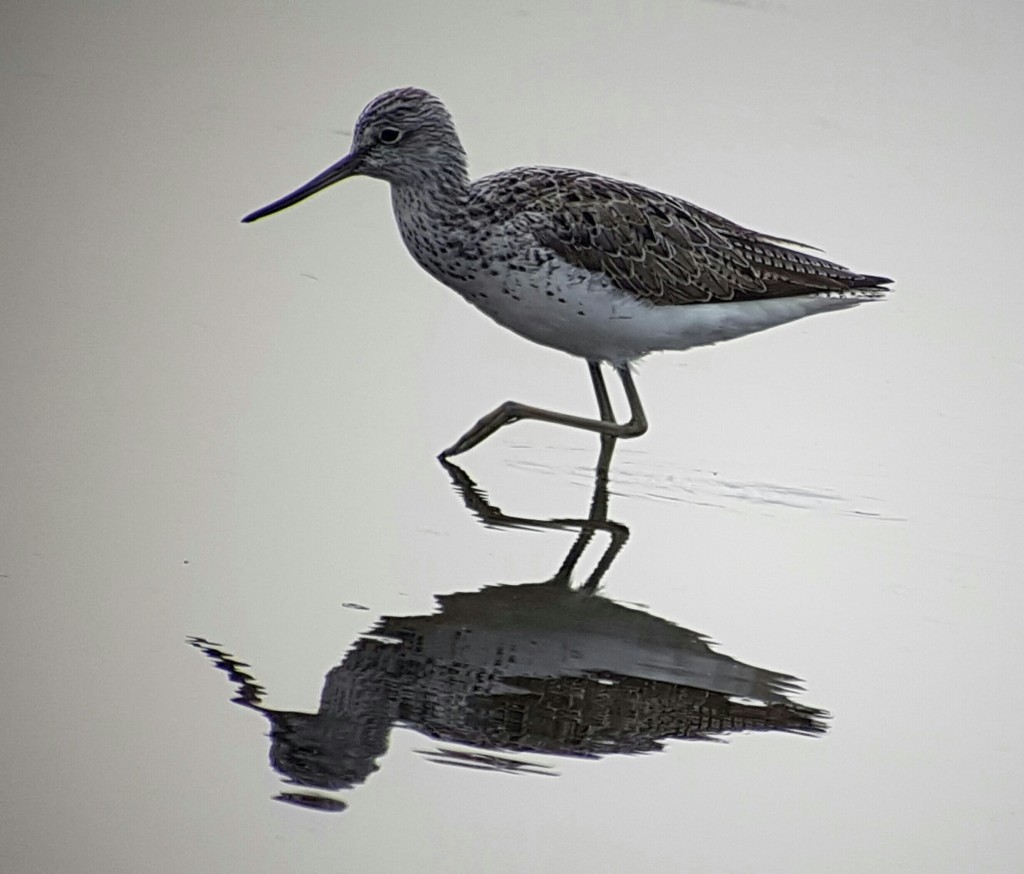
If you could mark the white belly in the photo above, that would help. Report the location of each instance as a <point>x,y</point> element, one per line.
<point>578,312</point>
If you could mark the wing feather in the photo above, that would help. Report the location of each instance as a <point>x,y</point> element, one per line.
<point>660,248</point>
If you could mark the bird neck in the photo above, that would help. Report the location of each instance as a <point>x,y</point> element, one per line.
<point>443,180</point>
<point>433,219</point>
<point>438,194</point>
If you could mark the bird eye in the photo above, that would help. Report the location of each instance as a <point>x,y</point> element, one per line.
<point>389,135</point>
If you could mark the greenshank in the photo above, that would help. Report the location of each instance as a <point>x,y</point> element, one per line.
<point>599,268</point>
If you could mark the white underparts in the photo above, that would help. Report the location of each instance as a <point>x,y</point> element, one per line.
<point>582,314</point>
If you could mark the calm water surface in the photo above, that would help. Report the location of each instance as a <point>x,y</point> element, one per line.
<point>251,624</point>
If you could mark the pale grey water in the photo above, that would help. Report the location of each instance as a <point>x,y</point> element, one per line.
<point>229,432</point>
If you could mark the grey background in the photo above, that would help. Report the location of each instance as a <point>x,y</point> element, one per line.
<point>229,431</point>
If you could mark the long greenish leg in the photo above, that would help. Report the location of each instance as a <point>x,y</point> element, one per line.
<point>604,404</point>
<point>637,420</point>
<point>513,411</point>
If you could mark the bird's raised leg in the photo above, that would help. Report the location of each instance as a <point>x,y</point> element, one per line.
<point>513,411</point>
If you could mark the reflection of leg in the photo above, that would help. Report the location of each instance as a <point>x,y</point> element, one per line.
<point>619,535</point>
<point>478,504</point>
<point>513,411</point>
<point>597,520</point>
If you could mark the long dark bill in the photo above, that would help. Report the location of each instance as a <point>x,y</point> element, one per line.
<point>346,167</point>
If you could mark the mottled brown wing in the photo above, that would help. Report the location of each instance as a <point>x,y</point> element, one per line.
<point>667,251</point>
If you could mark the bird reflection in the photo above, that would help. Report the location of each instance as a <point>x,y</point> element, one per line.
<point>549,667</point>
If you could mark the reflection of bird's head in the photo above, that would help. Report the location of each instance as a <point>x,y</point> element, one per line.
<point>325,752</point>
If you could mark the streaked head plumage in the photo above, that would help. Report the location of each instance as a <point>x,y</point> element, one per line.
<point>404,136</point>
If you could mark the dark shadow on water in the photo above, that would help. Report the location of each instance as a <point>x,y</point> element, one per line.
<point>512,669</point>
